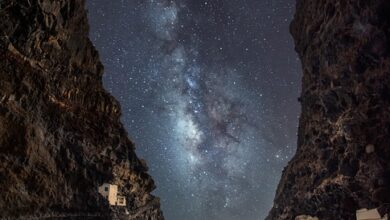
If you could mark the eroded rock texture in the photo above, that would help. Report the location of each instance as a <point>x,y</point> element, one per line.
<point>343,158</point>
<point>60,135</point>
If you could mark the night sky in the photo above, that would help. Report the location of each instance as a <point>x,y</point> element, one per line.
<point>209,92</point>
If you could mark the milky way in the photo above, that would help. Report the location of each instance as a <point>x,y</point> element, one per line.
<point>209,95</point>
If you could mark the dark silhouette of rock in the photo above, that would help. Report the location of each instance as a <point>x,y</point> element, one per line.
<point>60,134</point>
<point>343,158</point>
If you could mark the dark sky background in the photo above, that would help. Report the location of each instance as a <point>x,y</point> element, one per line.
<point>209,91</point>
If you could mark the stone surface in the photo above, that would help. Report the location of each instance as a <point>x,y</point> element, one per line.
<point>370,149</point>
<point>60,134</point>
<point>344,49</point>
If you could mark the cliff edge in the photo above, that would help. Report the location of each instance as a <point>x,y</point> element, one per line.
<point>60,134</point>
<point>343,158</point>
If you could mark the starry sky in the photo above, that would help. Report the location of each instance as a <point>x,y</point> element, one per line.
<point>209,91</point>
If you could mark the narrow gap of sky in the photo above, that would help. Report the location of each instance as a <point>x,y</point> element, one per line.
<point>208,91</point>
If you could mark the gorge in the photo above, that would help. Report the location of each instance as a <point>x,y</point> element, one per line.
<point>223,124</point>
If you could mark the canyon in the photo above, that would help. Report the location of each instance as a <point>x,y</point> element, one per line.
<point>342,160</point>
<point>61,136</point>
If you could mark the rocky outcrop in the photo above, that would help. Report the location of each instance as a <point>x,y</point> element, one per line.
<point>343,158</point>
<point>60,134</point>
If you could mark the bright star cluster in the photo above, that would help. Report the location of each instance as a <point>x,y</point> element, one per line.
<point>209,91</point>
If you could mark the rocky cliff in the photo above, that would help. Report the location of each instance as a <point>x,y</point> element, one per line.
<point>343,158</point>
<point>60,134</point>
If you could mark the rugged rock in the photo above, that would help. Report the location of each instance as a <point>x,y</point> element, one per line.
<point>60,134</point>
<point>343,158</point>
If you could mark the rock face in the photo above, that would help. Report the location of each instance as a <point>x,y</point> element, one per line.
<point>343,158</point>
<point>60,134</point>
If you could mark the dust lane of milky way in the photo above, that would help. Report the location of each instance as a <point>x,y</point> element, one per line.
<point>209,95</point>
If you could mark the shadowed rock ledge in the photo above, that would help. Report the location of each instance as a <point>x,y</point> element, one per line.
<point>60,134</point>
<point>343,158</point>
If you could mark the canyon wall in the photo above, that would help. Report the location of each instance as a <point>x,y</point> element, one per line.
<point>342,161</point>
<point>60,133</point>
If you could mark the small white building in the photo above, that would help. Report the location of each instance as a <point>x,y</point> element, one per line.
<point>372,214</point>
<point>305,217</point>
<point>110,192</point>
